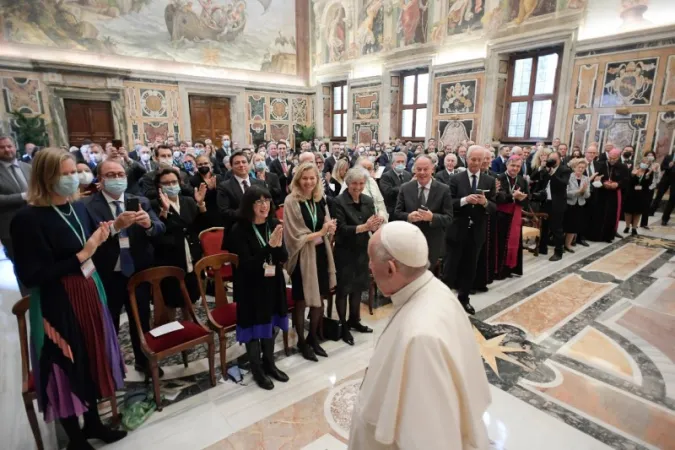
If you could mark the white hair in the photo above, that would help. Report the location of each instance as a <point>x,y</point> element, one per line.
<point>399,155</point>
<point>355,174</point>
<point>474,148</point>
<point>306,157</point>
<point>451,156</point>
<point>423,156</point>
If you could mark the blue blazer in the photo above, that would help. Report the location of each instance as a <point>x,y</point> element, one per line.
<point>140,240</point>
<point>498,166</point>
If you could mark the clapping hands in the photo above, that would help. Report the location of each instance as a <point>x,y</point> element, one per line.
<point>374,222</point>
<point>200,193</point>
<point>277,237</point>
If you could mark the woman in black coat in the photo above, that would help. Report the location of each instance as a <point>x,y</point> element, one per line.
<point>356,220</point>
<point>179,246</point>
<point>259,284</point>
<point>205,175</point>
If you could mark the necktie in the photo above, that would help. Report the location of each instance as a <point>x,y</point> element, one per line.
<point>126,261</point>
<point>245,185</point>
<point>422,201</point>
<point>400,177</point>
<point>18,177</point>
<point>474,183</point>
<point>283,166</point>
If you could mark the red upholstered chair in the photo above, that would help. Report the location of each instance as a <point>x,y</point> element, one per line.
<point>211,241</point>
<point>222,318</point>
<point>280,213</point>
<point>192,334</point>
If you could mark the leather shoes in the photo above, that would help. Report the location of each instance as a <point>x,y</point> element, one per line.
<point>468,308</point>
<point>347,336</point>
<point>584,243</point>
<point>358,326</point>
<point>274,372</point>
<point>482,289</point>
<point>103,433</point>
<point>260,378</point>
<point>555,257</point>
<point>318,350</point>
<point>307,352</point>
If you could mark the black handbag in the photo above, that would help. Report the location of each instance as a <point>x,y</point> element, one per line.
<point>332,329</point>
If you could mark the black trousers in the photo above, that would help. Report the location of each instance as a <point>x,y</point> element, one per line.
<point>459,269</point>
<point>9,251</point>
<point>554,225</point>
<point>115,285</point>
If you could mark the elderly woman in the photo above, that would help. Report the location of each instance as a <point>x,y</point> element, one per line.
<point>307,230</point>
<point>578,191</point>
<point>371,189</point>
<point>637,195</point>
<point>356,219</point>
<point>270,179</point>
<point>512,197</point>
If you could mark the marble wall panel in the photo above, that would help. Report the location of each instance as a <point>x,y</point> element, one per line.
<point>327,94</point>
<point>365,113</point>
<point>395,105</point>
<point>664,140</point>
<point>581,127</point>
<point>277,115</point>
<point>668,97</point>
<point>456,106</point>
<point>25,92</point>
<point>586,85</point>
<point>152,109</point>
<point>629,83</point>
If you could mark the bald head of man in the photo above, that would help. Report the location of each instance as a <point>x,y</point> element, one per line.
<point>306,157</point>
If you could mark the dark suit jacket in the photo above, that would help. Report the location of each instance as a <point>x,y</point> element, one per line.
<point>148,189</point>
<point>460,187</point>
<point>504,195</point>
<point>559,181</point>
<point>498,165</point>
<point>444,177</point>
<point>134,155</point>
<point>10,196</point>
<point>27,158</point>
<point>284,180</point>
<point>170,245</point>
<point>151,165</point>
<point>273,185</point>
<point>460,163</point>
<point>211,218</point>
<point>390,184</point>
<point>439,203</point>
<point>329,164</point>
<point>221,154</point>
<point>134,174</point>
<point>229,197</point>
<point>140,240</point>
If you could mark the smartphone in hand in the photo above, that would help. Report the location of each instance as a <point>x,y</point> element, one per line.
<point>131,204</point>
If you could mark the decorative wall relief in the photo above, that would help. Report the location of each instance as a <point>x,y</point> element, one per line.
<point>151,110</point>
<point>452,132</point>
<point>153,130</point>
<point>395,106</point>
<point>588,75</point>
<point>622,130</point>
<point>457,98</point>
<point>327,94</point>
<point>668,97</point>
<point>279,109</point>
<point>412,21</point>
<point>257,132</point>
<point>629,82</point>
<point>300,110</point>
<point>256,107</point>
<point>366,105</point>
<point>279,131</point>
<point>664,141</point>
<point>521,10</point>
<point>22,94</point>
<point>370,31</point>
<point>581,127</point>
<point>153,103</point>
<point>365,132</point>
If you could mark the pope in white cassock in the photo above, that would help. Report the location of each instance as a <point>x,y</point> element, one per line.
<point>425,387</point>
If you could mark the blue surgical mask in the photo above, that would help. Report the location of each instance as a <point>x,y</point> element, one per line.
<point>399,168</point>
<point>116,186</point>
<point>226,144</point>
<point>199,152</point>
<point>171,191</point>
<point>644,166</point>
<point>67,185</point>
<point>260,166</point>
<point>188,166</point>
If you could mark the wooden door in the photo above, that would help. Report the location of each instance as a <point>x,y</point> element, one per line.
<point>210,118</point>
<point>88,119</point>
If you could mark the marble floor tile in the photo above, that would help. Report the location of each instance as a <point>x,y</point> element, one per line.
<point>624,261</point>
<point>326,442</point>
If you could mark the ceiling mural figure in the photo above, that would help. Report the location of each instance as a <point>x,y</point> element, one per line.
<point>413,22</point>
<point>370,33</point>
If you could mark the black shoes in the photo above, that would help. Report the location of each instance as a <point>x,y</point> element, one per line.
<point>346,335</point>
<point>261,379</point>
<point>314,344</point>
<point>468,308</point>
<point>555,257</point>
<point>618,235</point>
<point>358,326</point>
<point>633,232</point>
<point>269,366</point>
<point>103,433</point>
<point>307,352</point>
<point>584,243</point>
<point>625,231</point>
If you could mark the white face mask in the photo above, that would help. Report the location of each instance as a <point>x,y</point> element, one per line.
<point>85,178</point>
<point>168,162</point>
<point>96,157</point>
<point>145,157</point>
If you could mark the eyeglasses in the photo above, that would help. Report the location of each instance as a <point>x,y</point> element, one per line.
<point>262,201</point>
<point>169,183</point>
<point>112,175</point>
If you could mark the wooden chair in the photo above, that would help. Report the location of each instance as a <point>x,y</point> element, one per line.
<point>531,229</point>
<point>192,334</point>
<point>211,241</point>
<point>223,318</point>
<point>28,382</point>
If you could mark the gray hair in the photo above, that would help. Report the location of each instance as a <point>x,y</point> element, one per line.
<point>306,157</point>
<point>423,156</point>
<point>450,155</point>
<point>474,148</point>
<point>5,136</point>
<point>269,144</point>
<point>356,174</point>
<point>399,155</point>
<point>434,158</point>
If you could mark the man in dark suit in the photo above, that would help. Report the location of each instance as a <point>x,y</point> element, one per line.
<point>127,251</point>
<point>667,182</point>
<point>449,169</point>
<point>135,153</point>
<point>386,158</point>
<point>145,159</point>
<point>224,150</point>
<point>231,191</point>
<point>427,204</point>
<point>14,180</point>
<point>336,151</point>
<point>461,156</point>
<point>499,163</point>
<point>391,182</point>
<point>473,198</point>
<point>29,153</point>
<point>552,191</point>
<point>281,168</point>
<point>163,159</point>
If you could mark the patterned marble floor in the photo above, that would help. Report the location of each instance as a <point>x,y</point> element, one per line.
<point>579,354</point>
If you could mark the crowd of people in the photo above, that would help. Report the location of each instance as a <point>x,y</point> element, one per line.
<point>79,223</point>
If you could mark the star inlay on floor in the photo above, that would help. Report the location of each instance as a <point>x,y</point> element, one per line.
<point>491,349</point>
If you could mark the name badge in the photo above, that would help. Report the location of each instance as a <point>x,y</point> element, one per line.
<point>124,242</point>
<point>87,268</point>
<point>638,188</point>
<point>270,270</point>
<point>318,240</point>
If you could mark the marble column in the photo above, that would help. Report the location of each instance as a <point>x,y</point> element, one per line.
<point>385,107</point>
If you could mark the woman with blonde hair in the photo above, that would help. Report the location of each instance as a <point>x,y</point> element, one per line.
<point>307,231</point>
<point>74,349</point>
<point>338,176</point>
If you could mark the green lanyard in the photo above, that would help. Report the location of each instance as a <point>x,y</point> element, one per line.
<point>312,214</point>
<point>80,237</point>
<point>262,241</point>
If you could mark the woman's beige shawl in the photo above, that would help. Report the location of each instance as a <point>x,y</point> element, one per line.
<point>302,251</point>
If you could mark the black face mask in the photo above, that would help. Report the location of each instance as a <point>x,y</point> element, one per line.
<point>204,170</point>
<point>627,155</point>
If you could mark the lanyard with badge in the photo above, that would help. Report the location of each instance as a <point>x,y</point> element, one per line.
<point>315,219</point>
<point>270,269</point>
<point>87,267</point>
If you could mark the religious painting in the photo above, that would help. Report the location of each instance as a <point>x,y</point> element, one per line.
<point>412,22</point>
<point>464,15</point>
<point>457,97</point>
<point>279,109</point>
<point>153,103</point>
<point>668,97</point>
<point>521,10</point>
<point>155,130</point>
<point>256,107</point>
<point>364,132</point>
<point>335,35</point>
<point>452,132</point>
<point>664,140</point>
<point>370,32</point>
<point>629,83</point>
<point>255,35</point>
<point>22,94</point>
<point>366,105</point>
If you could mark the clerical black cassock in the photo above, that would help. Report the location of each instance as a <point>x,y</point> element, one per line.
<point>606,215</point>
<point>508,254</point>
<point>595,167</point>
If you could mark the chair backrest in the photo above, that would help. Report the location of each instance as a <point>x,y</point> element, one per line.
<point>215,263</point>
<point>280,213</point>
<point>211,240</point>
<point>155,276</point>
<point>19,310</point>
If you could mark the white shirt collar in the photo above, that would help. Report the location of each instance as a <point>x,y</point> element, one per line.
<point>469,174</point>
<point>426,186</point>
<point>241,180</point>
<point>110,200</point>
<point>402,296</point>
<point>14,163</point>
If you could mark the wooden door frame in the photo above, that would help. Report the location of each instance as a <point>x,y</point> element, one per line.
<point>237,102</point>
<point>215,139</point>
